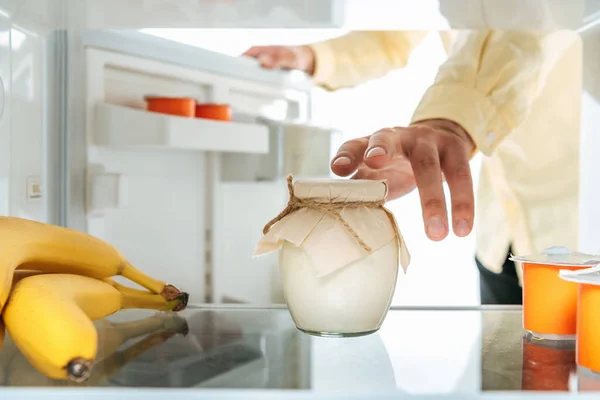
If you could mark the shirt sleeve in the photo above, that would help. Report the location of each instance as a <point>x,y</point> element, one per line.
<point>361,56</point>
<point>491,79</point>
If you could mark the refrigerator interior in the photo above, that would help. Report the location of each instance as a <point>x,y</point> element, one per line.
<point>186,199</point>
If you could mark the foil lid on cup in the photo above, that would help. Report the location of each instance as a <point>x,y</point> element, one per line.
<point>558,255</point>
<point>590,276</point>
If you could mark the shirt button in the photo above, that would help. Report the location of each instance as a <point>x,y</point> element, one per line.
<point>491,137</point>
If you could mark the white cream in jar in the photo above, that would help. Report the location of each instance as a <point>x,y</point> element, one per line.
<point>339,250</point>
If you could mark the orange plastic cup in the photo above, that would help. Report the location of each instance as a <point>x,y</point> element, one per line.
<point>549,302</point>
<point>180,106</point>
<point>220,112</point>
<point>546,368</point>
<point>588,327</point>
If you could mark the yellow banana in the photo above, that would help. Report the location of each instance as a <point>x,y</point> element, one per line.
<point>49,318</point>
<point>111,336</point>
<point>125,289</point>
<point>34,245</point>
<point>24,273</point>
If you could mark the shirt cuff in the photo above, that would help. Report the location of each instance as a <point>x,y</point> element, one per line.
<point>325,63</point>
<point>469,108</point>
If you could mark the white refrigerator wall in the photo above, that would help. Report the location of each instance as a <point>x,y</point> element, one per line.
<point>22,126</point>
<point>5,55</point>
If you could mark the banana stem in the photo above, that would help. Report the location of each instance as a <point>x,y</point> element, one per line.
<point>153,302</point>
<point>128,271</point>
<point>126,289</point>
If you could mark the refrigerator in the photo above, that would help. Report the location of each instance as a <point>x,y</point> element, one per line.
<point>185,199</point>
<point>180,197</point>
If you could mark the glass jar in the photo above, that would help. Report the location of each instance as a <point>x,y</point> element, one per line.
<point>339,251</point>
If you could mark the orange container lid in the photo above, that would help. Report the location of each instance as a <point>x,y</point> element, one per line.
<point>587,276</point>
<point>158,97</point>
<point>559,256</point>
<point>218,105</point>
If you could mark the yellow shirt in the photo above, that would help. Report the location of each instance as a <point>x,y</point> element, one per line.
<point>517,93</point>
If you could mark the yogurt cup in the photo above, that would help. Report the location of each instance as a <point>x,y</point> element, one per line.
<point>587,283</point>
<point>549,302</point>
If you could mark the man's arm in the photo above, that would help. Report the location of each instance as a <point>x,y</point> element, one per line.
<point>490,81</point>
<point>361,56</point>
<point>482,93</point>
<point>348,60</point>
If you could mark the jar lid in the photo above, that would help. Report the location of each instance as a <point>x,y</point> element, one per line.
<point>341,190</point>
<point>334,236</point>
<point>590,276</point>
<point>559,256</point>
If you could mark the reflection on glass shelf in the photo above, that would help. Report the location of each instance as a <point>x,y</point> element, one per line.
<point>417,351</point>
<point>434,352</point>
<point>586,381</point>
<point>547,365</point>
<point>227,349</point>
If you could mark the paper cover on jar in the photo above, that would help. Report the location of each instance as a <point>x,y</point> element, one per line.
<point>558,255</point>
<point>314,229</point>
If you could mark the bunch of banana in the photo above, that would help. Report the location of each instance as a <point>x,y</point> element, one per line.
<point>49,248</point>
<point>54,282</point>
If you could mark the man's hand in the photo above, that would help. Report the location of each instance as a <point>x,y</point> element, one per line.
<point>418,156</point>
<point>283,57</point>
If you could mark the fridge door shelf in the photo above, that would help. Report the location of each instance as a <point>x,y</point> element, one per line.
<point>127,127</point>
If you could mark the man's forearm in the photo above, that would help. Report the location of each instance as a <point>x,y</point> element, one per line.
<point>358,57</point>
<point>491,80</point>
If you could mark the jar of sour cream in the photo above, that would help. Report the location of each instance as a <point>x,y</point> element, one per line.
<point>339,255</point>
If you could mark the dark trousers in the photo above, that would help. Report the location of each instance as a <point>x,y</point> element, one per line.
<point>499,288</point>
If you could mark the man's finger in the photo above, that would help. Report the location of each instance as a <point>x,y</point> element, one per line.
<point>256,50</point>
<point>455,163</point>
<point>285,58</point>
<point>398,176</point>
<point>349,156</point>
<point>381,148</point>
<point>425,162</point>
<point>268,56</point>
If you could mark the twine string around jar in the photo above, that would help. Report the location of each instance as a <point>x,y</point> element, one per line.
<point>332,209</point>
